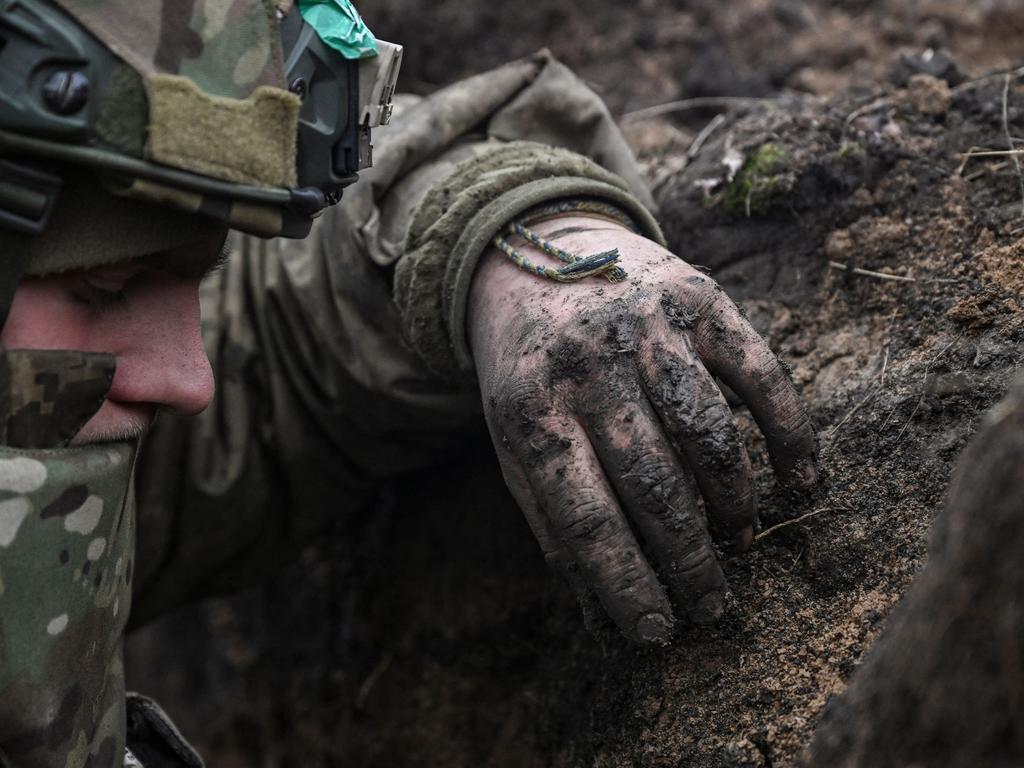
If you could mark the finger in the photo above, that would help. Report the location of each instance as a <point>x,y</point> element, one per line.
<point>660,495</point>
<point>582,515</point>
<point>700,423</point>
<point>555,555</point>
<point>510,421</point>
<point>734,351</point>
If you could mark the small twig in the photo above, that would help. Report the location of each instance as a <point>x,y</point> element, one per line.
<point>892,319</point>
<point>992,153</point>
<point>966,159</point>
<point>701,102</point>
<point>982,171</point>
<point>884,101</point>
<point>704,135</point>
<point>974,151</point>
<point>887,276</point>
<point>1009,139</point>
<point>364,690</point>
<point>874,391</point>
<point>871,393</point>
<point>986,79</point>
<point>871,273</point>
<point>769,531</point>
<point>924,380</point>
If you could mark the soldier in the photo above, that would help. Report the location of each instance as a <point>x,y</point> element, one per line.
<point>500,258</point>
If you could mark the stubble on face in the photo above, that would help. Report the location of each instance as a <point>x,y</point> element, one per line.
<point>115,423</point>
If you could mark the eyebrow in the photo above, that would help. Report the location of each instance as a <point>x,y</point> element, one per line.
<point>192,266</point>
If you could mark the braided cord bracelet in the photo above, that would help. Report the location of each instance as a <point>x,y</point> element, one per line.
<point>576,267</point>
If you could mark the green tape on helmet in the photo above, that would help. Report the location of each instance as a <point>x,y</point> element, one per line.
<point>340,26</point>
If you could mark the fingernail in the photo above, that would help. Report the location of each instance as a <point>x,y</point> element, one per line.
<point>743,540</point>
<point>654,628</point>
<point>708,609</point>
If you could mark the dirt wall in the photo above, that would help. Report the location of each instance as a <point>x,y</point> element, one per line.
<point>880,262</point>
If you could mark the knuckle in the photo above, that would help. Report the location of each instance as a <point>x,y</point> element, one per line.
<point>653,480</point>
<point>717,436</point>
<point>769,370</point>
<point>626,581</point>
<point>699,282</point>
<point>586,521</point>
<point>518,404</point>
<point>570,360</point>
<point>650,466</point>
<point>692,562</point>
<point>715,416</point>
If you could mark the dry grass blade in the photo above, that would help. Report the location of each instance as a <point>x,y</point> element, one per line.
<point>871,273</point>
<point>986,79</point>
<point>992,153</point>
<point>704,135</point>
<point>786,523</point>
<point>702,102</point>
<point>871,393</point>
<point>924,380</point>
<point>886,276</point>
<point>884,101</point>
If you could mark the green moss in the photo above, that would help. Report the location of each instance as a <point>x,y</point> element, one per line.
<point>851,150</point>
<point>762,180</point>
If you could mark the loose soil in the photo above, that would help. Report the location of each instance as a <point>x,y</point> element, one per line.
<point>883,265</point>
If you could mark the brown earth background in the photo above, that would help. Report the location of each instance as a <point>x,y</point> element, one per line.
<point>431,634</point>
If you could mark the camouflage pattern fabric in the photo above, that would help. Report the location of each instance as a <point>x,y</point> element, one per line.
<point>67,542</point>
<point>191,38</point>
<point>46,397</point>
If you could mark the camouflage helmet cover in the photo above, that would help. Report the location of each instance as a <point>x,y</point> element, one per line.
<point>190,111</point>
<point>226,47</point>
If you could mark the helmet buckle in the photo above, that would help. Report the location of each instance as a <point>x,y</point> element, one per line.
<point>27,196</point>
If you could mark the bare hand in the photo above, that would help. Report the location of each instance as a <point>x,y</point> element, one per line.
<point>602,403</point>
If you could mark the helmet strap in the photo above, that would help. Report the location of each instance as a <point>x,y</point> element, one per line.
<point>12,268</point>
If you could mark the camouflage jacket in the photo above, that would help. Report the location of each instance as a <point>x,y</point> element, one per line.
<point>319,401</point>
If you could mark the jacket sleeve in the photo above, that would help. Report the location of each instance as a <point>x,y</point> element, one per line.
<point>325,386</point>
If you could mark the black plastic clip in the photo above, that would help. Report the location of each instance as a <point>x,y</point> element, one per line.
<point>27,196</point>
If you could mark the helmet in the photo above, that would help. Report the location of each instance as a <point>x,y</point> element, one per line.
<point>253,114</point>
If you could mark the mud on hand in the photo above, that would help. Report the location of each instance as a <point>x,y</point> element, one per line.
<point>602,403</point>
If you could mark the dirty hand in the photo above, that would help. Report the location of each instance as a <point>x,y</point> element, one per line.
<point>607,420</point>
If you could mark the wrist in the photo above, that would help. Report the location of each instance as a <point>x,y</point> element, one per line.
<point>500,291</point>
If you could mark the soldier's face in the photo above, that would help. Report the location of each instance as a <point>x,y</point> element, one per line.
<point>145,313</point>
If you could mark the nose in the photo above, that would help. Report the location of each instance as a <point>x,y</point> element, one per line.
<point>161,360</point>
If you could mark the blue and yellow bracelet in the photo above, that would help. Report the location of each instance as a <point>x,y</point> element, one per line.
<point>576,267</point>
